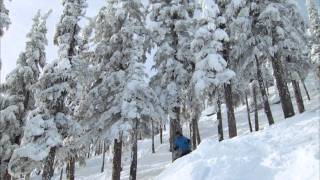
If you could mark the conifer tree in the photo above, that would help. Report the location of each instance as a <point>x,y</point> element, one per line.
<point>119,97</point>
<point>314,19</point>
<point>4,18</point>
<point>172,59</point>
<point>50,125</point>
<point>19,97</point>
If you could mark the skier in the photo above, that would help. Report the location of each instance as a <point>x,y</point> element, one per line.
<point>181,145</point>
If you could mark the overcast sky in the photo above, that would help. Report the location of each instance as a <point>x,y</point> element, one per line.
<point>21,13</point>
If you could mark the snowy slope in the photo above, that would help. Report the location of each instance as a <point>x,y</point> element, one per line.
<point>288,149</point>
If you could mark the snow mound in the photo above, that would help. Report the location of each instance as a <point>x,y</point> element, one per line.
<point>287,150</point>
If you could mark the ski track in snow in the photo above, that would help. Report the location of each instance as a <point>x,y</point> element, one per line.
<point>272,159</point>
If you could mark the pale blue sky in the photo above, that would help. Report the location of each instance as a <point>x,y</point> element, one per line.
<point>21,13</point>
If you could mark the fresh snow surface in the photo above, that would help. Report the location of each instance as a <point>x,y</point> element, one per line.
<point>288,150</point>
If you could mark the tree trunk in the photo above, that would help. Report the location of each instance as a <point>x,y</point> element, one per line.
<point>190,130</point>
<point>194,134</point>
<point>103,156</point>
<point>67,170</point>
<point>134,153</point>
<point>27,177</point>
<point>48,165</point>
<point>305,88</point>
<point>282,87</point>
<point>140,135</point>
<point>152,127</point>
<point>266,104</point>
<point>230,111</point>
<point>161,135</point>
<point>6,175</point>
<point>219,118</point>
<point>61,173</point>
<point>71,169</point>
<point>88,156</point>
<point>248,113</point>
<point>297,93</point>
<point>256,120</point>
<point>174,127</point>
<point>267,88</point>
<point>198,132</point>
<point>116,162</point>
<point>97,147</point>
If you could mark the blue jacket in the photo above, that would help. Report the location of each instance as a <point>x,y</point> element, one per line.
<point>183,144</point>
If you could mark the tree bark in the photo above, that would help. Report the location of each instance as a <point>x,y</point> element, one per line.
<point>282,87</point>
<point>97,147</point>
<point>27,177</point>
<point>267,88</point>
<point>88,156</point>
<point>248,113</point>
<point>103,156</point>
<point>48,166</point>
<point>305,88</point>
<point>194,134</point>
<point>266,104</point>
<point>71,169</point>
<point>152,127</point>
<point>219,118</point>
<point>174,127</point>
<point>140,135</point>
<point>134,153</point>
<point>297,93</point>
<point>256,118</point>
<point>198,132</point>
<point>161,140</point>
<point>190,130</point>
<point>67,170</point>
<point>6,175</point>
<point>117,152</point>
<point>230,111</point>
<point>61,173</point>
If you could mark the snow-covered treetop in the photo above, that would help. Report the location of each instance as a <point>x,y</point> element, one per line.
<point>171,23</point>
<point>67,29</point>
<point>32,59</point>
<point>118,95</point>
<point>314,17</point>
<point>4,18</point>
<point>210,66</point>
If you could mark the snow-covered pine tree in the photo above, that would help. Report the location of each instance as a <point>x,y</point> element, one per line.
<point>50,125</point>
<point>296,55</point>
<point>171,21</point>
<point>210,67</point>
<point>314,19</point>
<point>278,24</point>
<point>119,97</point>
<point>4,18</point>
<point>229,9</point>
<point>18,98</point>
<point>68,39</point>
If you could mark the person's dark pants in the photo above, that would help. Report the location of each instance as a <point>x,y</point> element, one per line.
<point>185,153</point>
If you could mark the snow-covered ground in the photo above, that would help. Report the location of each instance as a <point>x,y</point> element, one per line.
<point>287,150</point>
